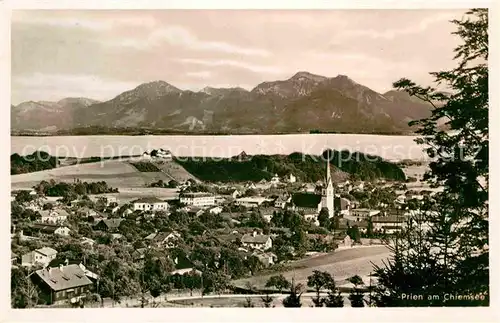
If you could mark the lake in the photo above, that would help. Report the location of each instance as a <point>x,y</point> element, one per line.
<point>388,147</point>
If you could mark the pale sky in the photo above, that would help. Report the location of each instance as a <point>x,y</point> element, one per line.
<point>99,54</point>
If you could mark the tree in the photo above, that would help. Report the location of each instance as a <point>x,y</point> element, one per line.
<point>248,302</point>
<point>267,300</point>
<point>356,297</point>
<point>293,300</point>
<point>334,298</point>
<point>23,293</point>
<point>445,247</point>
<point>324,218</point>
<point>369,228</point>
<point>353,233</point>
<point>319,280</point>
<point>23,197</point>
<point>279,282</point>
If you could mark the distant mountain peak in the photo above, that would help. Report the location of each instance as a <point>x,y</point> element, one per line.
<point>306,75</point>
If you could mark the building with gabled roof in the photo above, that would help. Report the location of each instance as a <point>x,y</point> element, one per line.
<point>257,241</point>
<point>42,256</point>
<point>150,204</point>
<point>62,284</point>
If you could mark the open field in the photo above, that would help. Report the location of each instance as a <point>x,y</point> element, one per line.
<point>342,264</point>
<point>117,173</point>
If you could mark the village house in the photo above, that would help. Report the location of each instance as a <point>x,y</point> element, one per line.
<point>150,204</point>
<point>50,229</point>
<point>163,239</point>
<point>360,214</point>
<point>267,213</point>
<point>42,256</point>
<point>194,211</point>
<point>108,225</point>
<point>388,224</point>
<point>109,199</point>
<point>257,241</point>
<point>291,178</point>
<point>281,201</point>
<point>266,258</point>
<point>275,179</point>
<point>235,194</point>
<point>200,199</point>
<point>87,242</point>
<point>86,212</point>
<point>251,201</point>
<point>343,205</point>
<point>161,154</point>
<point>62,284</point>
<point>139,254</point>
<point>215,210</point>
<point>14,259</point>
<point>54,216</point>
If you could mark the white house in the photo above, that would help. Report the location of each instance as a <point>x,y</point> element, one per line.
<point>150,204</point>
<point>164,239</point>
<point>108,198</point>
<point>281,201</point>
<point>42,256</point>
<point>364,213</point>
<point>236,194</point>
<point>54,216</point>
<point>251,201</point>
<point>275,179</point>
<point>200,199</point>
<point>163,154</point>
<point>388,224</point>
<point>257,241</point>
<point>291,178</point>
<point>215,210</point>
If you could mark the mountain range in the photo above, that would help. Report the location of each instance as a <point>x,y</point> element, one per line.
<point>303,103</point>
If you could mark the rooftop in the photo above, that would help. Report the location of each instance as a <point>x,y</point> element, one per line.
<point>64,277</point>
<point>47,251</point>
<point>306,200</point>
<point>151,200</point>
<point>259,238</point>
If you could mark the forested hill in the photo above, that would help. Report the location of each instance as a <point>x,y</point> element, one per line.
<point>307,168</point>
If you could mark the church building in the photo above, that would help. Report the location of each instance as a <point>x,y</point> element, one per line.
<point>312,203</point>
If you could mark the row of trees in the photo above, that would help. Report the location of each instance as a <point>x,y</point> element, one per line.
<point>319,281</point>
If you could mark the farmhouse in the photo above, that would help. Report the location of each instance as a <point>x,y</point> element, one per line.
<point>215,210</point>
<point>161,154</point>
<point>50,229</point>
<point>257,241</point>
<point>54,216</point>
<point>364,213</point>
<point>281,201</point>
<point>150,204</point>
<point>62,284</point>
<point>42,256</point>
<point>250,202</point>
<point>388,224</point>
<point>200,199</point>
<point>108,225</point>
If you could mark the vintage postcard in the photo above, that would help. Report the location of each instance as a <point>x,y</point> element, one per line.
<point>239,158</point>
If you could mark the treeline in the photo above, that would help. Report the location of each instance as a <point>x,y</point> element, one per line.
<point>308,168</point>
<point>77,188</point>
<point>37,161</point>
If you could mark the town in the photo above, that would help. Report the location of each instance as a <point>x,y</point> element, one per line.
<point>77,244</point>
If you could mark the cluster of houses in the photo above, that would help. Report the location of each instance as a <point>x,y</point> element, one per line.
<point>70,281</point>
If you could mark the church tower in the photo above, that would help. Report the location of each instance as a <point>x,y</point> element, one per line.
<point>328,194</point>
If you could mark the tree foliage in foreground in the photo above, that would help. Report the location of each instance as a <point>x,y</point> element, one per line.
<point>444,251</point>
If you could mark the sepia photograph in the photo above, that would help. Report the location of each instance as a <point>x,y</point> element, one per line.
<point>249,158</point>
